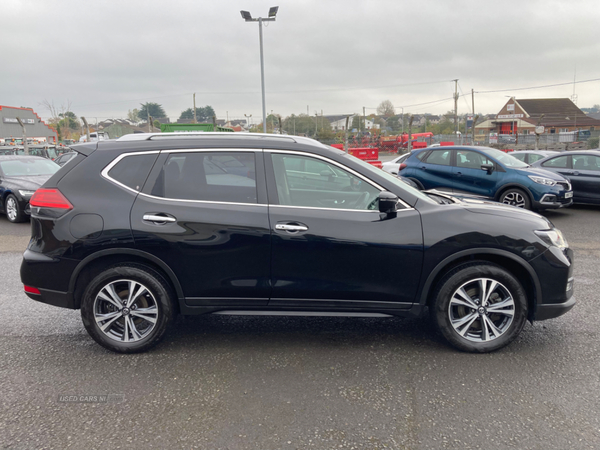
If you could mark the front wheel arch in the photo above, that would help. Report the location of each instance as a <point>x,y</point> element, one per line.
<point>504,189</point>
<point>518,267</point>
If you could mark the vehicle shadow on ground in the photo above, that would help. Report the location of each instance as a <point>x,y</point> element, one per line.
<point>212,330</point>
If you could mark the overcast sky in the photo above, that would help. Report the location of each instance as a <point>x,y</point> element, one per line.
<point>105,57</point>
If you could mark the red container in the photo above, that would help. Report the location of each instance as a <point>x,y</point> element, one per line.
<point>446,143</point>
<point>365,153</point>
<point>416,145</point>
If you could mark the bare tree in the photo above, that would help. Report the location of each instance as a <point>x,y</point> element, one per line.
<point>386,109</point>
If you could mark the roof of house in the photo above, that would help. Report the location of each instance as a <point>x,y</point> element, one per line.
<point>557,112</point>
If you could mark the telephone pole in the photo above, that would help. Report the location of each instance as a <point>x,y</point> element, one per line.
<point>455,105</point>
<point>195,121</point>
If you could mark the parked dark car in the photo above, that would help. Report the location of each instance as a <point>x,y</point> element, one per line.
<point>20,176</point>
<point>582,168</point>
<point>531,156</point>
<point>487,173</point>
<point>135,230</point>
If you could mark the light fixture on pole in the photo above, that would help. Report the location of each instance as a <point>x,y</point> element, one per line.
<point>248,117</point>
<point>248,18</point>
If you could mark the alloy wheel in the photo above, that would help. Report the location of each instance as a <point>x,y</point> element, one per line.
<point>515,199</point>
<point>125,310</point>
<point>11,209</point>
<point>481,310</point>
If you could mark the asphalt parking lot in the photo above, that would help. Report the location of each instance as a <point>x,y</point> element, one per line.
<point>325,383</point>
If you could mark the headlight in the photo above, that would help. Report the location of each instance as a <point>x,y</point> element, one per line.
<point>26,193</point>
<point>553,237</point>
<point>542,180</point>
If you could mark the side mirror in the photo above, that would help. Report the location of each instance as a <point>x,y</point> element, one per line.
<point>388,202</point>
<point>489,168</point>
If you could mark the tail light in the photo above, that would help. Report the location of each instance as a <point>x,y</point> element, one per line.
<point>50,198</point>
<point>402,166</point>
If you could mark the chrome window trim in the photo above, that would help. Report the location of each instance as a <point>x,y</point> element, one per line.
<point>204,150</point>
<point>370,211</point>
<point>202,201</point>
<point>115,161</point>
<point>341,166</point>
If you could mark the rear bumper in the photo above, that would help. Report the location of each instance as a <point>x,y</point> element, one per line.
<point>54,298</point>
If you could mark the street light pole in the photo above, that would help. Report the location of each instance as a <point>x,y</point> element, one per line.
<point>248,18</point>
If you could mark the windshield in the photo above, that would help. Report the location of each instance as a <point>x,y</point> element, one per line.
<point>504,158</point>
<point>392,178</point>
<point>28,167</point>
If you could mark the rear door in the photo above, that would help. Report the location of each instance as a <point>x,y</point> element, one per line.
<point>330,247</point>
<point>209,224</point>
<point>435,170</point>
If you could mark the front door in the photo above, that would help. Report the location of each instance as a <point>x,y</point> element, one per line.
<point>469,178</point>
<point>330,246</point>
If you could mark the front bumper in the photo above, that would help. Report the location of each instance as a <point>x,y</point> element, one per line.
<point>554,201</point>
<point>544,312</point>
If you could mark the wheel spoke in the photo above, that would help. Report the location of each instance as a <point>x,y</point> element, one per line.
<point>109,323</point>
<point>112,296</point>
<point>472,318</point>
<point>488,323</point>
<point>134,331</point>
<point>486,287</point>
<point>459,322</point>
<point>126,330</point>
<point>498,308</point>
<point>148,314</point>
<point>103,317</point>
<point>462,298</point>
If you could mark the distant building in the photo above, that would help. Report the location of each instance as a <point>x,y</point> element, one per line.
<point>36,129</point>
<point>556,115</point>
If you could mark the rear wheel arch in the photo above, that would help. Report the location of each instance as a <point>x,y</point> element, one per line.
<point>94,264</point>
<point>518,267</point>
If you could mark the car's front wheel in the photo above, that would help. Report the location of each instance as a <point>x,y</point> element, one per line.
<point>479,307</point>
<point>516,197</point>
<point>127,308</point>
<point>14,212</point>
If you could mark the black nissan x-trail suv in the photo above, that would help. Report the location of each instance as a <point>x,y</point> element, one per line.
<point>135,230</point>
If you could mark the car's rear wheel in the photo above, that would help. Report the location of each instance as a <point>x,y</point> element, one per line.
<point>515,197</point>
<point>14,212</point>
<point>127,308</point>
<point>479,307</point>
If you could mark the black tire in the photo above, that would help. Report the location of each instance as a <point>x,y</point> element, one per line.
<point>133,327</point>
<point>515,197</point>
<point>14,212</point>
<point>465,327</point>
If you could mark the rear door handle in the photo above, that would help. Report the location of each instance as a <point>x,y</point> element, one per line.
<point>291,228</point>
<point>158,218</point>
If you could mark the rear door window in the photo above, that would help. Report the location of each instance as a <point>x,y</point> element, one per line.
<point>560,162</point>
<point>210,176</point>
<point>441,157</point>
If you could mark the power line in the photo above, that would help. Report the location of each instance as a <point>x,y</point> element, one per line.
<point>538,87</point>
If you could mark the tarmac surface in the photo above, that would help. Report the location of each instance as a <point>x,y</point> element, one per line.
<point>264,383</point>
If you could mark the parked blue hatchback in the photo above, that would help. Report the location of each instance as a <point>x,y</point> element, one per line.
<point>488,173</point>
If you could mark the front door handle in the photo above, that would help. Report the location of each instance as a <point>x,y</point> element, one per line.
<point>291,228</point>
<point>158,218</point>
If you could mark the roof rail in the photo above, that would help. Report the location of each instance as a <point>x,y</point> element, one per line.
<point>196,134</point>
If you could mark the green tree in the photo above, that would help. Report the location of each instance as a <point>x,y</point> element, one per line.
<point>69,121</point>
<point>133,115</point>
<point>203,114</point>
<point>301,124</point>
<point>153,109</point>
<point>394,124</point>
